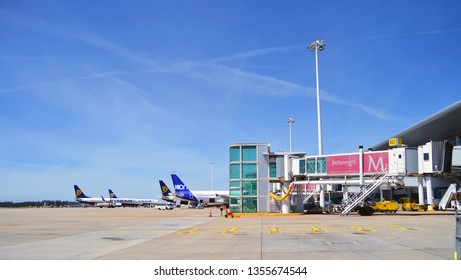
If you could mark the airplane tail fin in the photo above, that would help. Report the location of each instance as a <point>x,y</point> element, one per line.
<point>181,189</point>
<point>79,193</point>
<point>178,184</point>
<point>112,194</point>
<point>165,190</point>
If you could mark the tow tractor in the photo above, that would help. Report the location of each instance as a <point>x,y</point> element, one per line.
<point>411,206</point>
<point>229,213</point>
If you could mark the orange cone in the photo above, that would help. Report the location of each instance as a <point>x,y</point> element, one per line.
<point>210,214</point>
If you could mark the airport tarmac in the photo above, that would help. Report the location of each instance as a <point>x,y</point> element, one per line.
<point>190,234</point>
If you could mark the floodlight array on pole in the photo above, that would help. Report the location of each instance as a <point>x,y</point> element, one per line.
<point>317,46</point>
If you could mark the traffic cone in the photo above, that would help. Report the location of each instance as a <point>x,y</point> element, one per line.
<point>210,214</point>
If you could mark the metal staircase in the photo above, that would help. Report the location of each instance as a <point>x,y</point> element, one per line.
<point>449,195</point>
<point>357,198</point>
<point>307,197</point>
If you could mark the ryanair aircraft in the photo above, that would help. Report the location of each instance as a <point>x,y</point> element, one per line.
<point>132,201</point>
<point>95,201</point>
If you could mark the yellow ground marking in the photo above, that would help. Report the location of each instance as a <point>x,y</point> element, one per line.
<point>316,229</point>
<point>362,229</point>
<point>274,230</point>
<point>231,231</point>
<point>190,231</point>
<point>402,227</point>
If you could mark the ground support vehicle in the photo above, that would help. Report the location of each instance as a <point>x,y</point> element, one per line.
<point>386,206</point>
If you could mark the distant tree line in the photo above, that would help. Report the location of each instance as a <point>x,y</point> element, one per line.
<point>43,203</point>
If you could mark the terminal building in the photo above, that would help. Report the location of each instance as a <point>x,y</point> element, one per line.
<point>420,164</point>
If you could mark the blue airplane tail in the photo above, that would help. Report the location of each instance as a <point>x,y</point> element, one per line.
<point>112,194</point>
<point>181,189</point>
<point>79,193</point>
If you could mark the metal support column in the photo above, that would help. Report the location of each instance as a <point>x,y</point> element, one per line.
<point>322,197</point>
<point>430,196</point>
<point>420,191</point>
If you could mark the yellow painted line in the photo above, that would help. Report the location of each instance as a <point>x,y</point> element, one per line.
<point>316,229</point>
<point>402,227</point>
<point>274,230</point>
<point>266,214</point>
<point>394,226</point>
<point>409,228</point>
<point>231,231</point>
<point>362,229</point>
<point>190,231</point>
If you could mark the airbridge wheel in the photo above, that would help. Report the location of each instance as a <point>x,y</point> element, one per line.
<point>365,211</point>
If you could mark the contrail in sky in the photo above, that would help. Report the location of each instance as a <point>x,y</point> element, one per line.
<point>376,37</point>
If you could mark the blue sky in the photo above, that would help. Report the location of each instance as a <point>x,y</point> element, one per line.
<point>118,94</point>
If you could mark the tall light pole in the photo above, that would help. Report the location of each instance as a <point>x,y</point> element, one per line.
<point>317,46</point>
<point>290,121</point>
<point>212,175</point>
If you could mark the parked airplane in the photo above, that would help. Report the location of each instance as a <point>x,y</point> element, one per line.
<point>167,195</point>
<point>205,198</point>
<point>132,201</point>
<point>95,201</point>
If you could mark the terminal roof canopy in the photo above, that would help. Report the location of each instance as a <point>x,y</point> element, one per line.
<point>443,125</point>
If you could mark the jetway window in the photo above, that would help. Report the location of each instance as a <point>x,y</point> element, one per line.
<point>311,165</point>
<point>426,156</point>
<point>235,200</point>
<point>302,166</point>
<point>273,169</point>
<point>234,154</point>
<point>249,153</point>
<point>234,184</point>
<point>321,165</point>
<point>234,192</point>
<point>234,171</point>
<point>249,170</point>
<point>249,205</point>
<point>249,187</point>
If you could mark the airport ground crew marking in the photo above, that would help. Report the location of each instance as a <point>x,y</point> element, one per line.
<point>231,231</point>
<point>274,230</point>
<point>362,229</point>
<point>190,231</point>
<point>402,227</point>
<point>340,243</point>
<point>316,229</point>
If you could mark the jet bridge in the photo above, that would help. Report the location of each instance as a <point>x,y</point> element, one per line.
<point>358,175</point>
<point>367,171</point>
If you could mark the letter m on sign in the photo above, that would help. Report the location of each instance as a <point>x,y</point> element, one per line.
<point>376,162</point>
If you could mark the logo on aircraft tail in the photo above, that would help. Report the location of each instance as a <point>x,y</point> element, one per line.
<point>181,190</point>
<point>112,194</point>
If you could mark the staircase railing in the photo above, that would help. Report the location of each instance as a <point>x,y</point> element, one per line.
<point>357,198</point>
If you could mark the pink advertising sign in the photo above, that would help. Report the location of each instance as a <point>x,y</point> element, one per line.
<point>375,162</point>
<point>343,164</point>
<point>349,164</point>
<point>304,187</point>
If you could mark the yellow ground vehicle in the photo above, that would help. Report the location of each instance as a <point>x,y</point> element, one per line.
<point>386,206</point>
<point>229,213</point>
<point>408,205</point>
